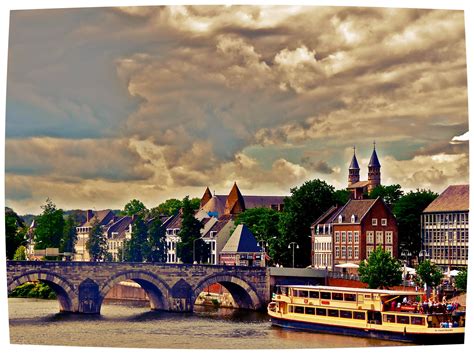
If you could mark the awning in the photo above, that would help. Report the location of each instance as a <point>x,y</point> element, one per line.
<point>452,273</point>
<point>347,265</point>
<point>409,270</point>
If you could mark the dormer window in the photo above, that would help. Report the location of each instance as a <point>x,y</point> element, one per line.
<point>213,233</point>
<point>339,219</point>
<point>353,218</point>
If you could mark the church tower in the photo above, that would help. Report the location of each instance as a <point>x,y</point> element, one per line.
<point>374,171</point>
<point>354,175</point>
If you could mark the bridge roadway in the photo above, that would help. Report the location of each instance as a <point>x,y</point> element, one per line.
<point>82,286</point>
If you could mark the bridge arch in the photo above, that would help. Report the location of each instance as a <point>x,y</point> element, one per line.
<point>157,290</point>
<point>242,292</point>
<point>64,290</point>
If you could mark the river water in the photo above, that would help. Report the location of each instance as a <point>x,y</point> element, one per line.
<point>34,321</point>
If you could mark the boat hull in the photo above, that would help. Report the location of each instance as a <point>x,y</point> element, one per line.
<point>419,338</point>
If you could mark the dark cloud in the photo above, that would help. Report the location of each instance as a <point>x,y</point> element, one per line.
<point>318,166</point>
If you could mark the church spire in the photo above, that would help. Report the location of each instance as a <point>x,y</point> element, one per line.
<point>374,160</point>
<point>374,171</point>
<point>354,170</point>
<point>235,201</point>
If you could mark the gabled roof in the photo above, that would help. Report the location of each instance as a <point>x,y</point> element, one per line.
<point>103,217</point>
<point>374,160</point>
<point>262,201</point>
<point>357,207</point>
<point>206,197</point>
<point>119,227</point>
<point>241,240</point>
<point>214,206</point>
<point>327,216</point>
<point>360,184</point>
<point>175,222</point>
<point>219,225</point>
<point>454,198</point>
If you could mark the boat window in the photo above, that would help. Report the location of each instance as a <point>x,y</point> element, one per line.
<point>349,297</point>
<point>325,295</point>
<point>346,314</point>
<point>290,308</point>
<point>303,293</point>
<point>299,309</point>
<point>359,315</point>
<point>321,312</point>
<point>418,320</point>
<point>389,318</point>
<point>337,296</point>
<point>333,313</point>
<point>403,319</point>
<point>367,296</point>
<point>309,310</point>
<point>314,294</point>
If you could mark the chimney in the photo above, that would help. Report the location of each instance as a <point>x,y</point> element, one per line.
<point>89,215</point>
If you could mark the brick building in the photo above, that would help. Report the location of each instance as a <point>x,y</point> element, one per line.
<point>359,227</point>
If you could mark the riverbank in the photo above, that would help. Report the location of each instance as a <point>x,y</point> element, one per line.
<point>35,290</point>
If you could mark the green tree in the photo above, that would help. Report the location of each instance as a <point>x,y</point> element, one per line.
<point>20,254</point>
<point>137,248</point>
<point>134,207</point>
<point>263,222</point>
<point>461,280</point>
<point>408,211</point>
<point>96,243</point>
<point>428,273</point>
<point>49,227</point>
<point>156,241</point>
<point>341,196</point>
<point>189,232</point>
<point>69,235</point>
<point>168,207</point>
<point>390,194</point>
<point>380,270</point>
<point>302,208</point>
<point>14,232</point>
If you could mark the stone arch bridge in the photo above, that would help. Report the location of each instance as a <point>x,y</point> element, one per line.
<point>82,286</point>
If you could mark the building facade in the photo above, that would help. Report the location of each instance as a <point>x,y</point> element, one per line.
<point>360,227</point>
<point>445,228</point>
<point>321,240</point>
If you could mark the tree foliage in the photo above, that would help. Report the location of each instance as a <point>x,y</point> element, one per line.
<point>69,235</point>
<point>14,232</point>
<point>341,196</point>
<point>49,226</point>
<point>172,206</point>
<point>263,222</point>
<point>390,194</point>
<point>156,241</point>
<point>428,273</point>
<point>461,280</point>
<point>96,243</point>
<point>137,248</point>
<point>189,232</point>
<point>20,254</point>
<point>134,207</point>
<point>408,211</point>
<point>302,208</point>
<point>380,270</point>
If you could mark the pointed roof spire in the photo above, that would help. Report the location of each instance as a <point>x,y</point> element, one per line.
<point>354,164</point>
<point>235,201</point>
<point>374,160</point>
<point>206,197</point>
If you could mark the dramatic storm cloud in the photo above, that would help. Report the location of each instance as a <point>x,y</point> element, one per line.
<point>110,104</point>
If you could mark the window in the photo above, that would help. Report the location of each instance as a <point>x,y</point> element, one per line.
<point>343,237</point>
<point>345,314</point>
<point>403,319</point>
<point>343,252</point>
<point>379,237</point>
<point>321,312</point>
<point>353,218</point>
<point>337,251</point>
<point>299,309</point>
<point>349,297</point>
<point>356,236</point>
<point>388,237</point>
<point>309,310</point>
<point>370,249</point>
<point>356,252</point>
<point>303,293</point>
<point>337,296</point>
<point>325,295</point>
<point>389,318</point>
<point>333,313</point>
<point>349,236</point>
<point>339,219</point>
<point>370,237</point>
<point>314,294</point>
<point>349,252</point>
<point>383,222</point>
<point>389,249</point>
<point>336,234</point>
<point>374,222</point>
<point>359,315</point>
<point>418,321</point>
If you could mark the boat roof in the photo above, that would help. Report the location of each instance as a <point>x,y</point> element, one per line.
<point>353,290</point>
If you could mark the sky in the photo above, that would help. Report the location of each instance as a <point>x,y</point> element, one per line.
<point>105,105</point>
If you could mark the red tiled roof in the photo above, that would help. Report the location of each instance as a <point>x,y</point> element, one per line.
<point>357,207</point>
<point>103,217</point>
<point>454,198</point>
<point>359,184</point>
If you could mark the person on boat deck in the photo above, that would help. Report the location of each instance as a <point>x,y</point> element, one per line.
<point>405,300</point>
<point>393,305</point>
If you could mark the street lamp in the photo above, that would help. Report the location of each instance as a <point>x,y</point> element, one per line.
<point>264,244</point>
<point>194,248</point>
<point>423,254</point>
<point>292,245</point>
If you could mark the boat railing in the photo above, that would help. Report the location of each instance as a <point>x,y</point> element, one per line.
<point>343,275</point>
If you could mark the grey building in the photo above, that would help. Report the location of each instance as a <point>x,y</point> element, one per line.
<point>445,228</point>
